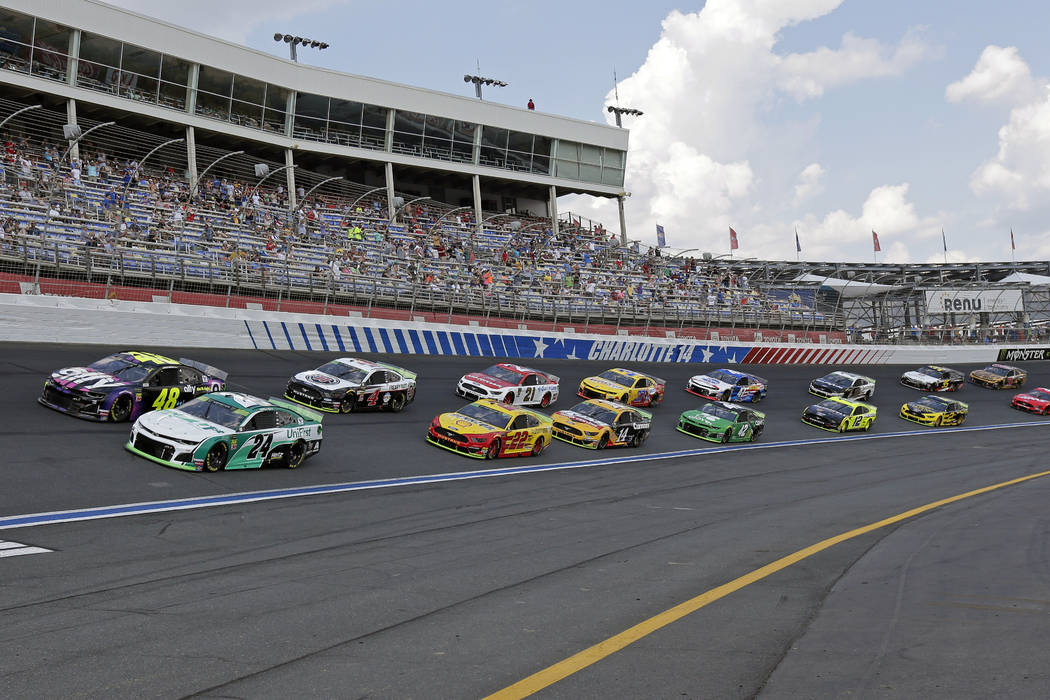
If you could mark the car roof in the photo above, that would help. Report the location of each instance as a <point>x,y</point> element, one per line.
<point>356,363</point>
<point>236,399</point>
<point>150,359</point>
<point>518,368</point>
<point>851,375</point>
<point>609,405</point>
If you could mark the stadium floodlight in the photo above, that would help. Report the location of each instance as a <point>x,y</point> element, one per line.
<point>479,81</point>
<point>618,111</point>
<point>294,41</point>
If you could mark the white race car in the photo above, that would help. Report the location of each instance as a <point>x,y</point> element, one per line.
<point>510,384</point>
<point>347,384</point>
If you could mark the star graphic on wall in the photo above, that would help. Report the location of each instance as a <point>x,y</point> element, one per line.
<point>707,354</point>
<point>541,347</point>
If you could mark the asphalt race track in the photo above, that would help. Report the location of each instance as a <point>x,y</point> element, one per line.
<point>463,587</point>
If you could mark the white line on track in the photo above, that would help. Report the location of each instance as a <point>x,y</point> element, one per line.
<point>124,510</point>
<point>17,549</point>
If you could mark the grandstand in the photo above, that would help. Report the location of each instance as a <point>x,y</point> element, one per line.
<point>172,190</point>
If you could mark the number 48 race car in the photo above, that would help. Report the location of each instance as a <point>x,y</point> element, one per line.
<point>125,385</point>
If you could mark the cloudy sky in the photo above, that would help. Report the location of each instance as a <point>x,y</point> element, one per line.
<point>832,117</point>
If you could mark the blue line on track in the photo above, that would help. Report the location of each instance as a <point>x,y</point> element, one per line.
<point>118,511</point>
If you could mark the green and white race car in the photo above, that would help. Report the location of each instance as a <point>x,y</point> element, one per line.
<point>227,430</point>
<point>721,421</point>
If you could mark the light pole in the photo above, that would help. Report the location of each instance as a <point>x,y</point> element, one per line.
<point>322,182</point>
<point>479,81</point>
<point>75,141</point>
<point>14,114</point>
<point>124,192</point>
<point>294,41</point>
<point>193,185</point>
<point>450,212</point>
<point>619,111</point>
<point>264,178</point>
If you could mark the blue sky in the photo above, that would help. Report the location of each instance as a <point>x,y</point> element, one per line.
<point>832,116</point>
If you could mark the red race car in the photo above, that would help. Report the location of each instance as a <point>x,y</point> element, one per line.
<point>1034,401</point>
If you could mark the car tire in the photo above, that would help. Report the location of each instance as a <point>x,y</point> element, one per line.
<point>842,427</point>
<point>121,409</point>
<point>938,422</point>
<point>655,401</point>
<point>639,438</point>
<point>397,403</point>
<point>545,401</point>
<point>494,448</point>
<point>296,454</point>
<point>216,458</point>
<point>752,436</point>
<point>725,395</point>
<point>348,403</point>
<point>603,441</point>
<point>509,398</point>
<point>726,435</point>
<point>539,446</point>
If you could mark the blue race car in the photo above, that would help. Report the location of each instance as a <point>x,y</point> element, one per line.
<point>728,385</point>
<point>125,385</point>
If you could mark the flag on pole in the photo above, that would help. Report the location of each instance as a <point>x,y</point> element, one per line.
<point>875,242</point>
<point>944,241</point>
<point>733,244</point>
<point>1012,246</point>
<point>661,241</point>
<point>798,246</point>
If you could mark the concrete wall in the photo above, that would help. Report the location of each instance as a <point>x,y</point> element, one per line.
<point>46,319</point>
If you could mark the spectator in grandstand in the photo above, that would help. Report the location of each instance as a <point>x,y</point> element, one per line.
<point>531,105</point>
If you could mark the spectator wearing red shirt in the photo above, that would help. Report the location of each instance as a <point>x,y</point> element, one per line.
<point>532,105</point>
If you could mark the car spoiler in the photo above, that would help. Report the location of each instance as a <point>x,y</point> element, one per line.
<point>207,369</point>
<point>406,373</point>
<point>760,379</point>
<point>553,377</point>
<point>644,414</point>
<point>297,409</point>
<point>662,382</point>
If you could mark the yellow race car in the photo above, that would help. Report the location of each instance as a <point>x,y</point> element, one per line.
<point>486,429</point>
<point>597,423</point>
<point>839,415</point>
<point>624,386</point>
<point>935,410</point>
<point>997,376</point>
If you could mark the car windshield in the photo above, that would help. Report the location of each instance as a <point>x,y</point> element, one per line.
<point>997,371</point>
<point>503,374</point>
<point>598,413</point>
<point>214,411</point>
<point>934,402</point>
<point>837,380</point>
<point>836,407</point>
<point>929,372</point>
<point>723,376</point>
<point>617,378</point>
<point>717,411</point>
<point>1039,395</point>
<point>344,372</point>
<point>126,368</point>
<point>484,414</point>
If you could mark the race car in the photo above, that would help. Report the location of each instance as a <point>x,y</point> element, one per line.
<point>933,378</point>
<point>125,385</point>
<point>623,386</point>
<point>511,384</point>
<point>227,430</point>
<point>997,376</point>
<point>597,423</point>
<point>347,384</point>
<point>845,385</point>
<point>839,415</point>
<point>728,385</point>
<point>489,429</point>
<point>935,410</point>
<point>1034,401</point>
<point>722,422</point>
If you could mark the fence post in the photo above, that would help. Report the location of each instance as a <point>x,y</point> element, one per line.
<point>279,293</point>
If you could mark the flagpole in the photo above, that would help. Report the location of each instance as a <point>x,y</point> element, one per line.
<point>944,243</point>
<point>796,244</point>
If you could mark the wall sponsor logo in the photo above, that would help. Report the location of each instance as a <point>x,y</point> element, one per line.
<point>1023,354</point>
<point>966,301</point>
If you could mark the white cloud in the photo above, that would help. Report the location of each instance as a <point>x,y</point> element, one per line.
<point>807,75</point>
<point>708,87</point>
<point>233,20</point>
<point>810,182</point>
<point>1000,75</point>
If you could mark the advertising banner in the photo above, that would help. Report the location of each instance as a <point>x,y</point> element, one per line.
<point>972,301</point>
<point>1022,354</point>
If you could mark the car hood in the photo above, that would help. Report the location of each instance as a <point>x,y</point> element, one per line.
<point>823,412</point>
<point>702,418</point>
<point>580,419</point>
<point>826,386</point>
<point>1029,397</point>
<point>704,380</point>
<point>987,376</point>
<point>465,425</point>
<point>920,377</point>
<point>602,384</point>
<point>87,379</point>
<point>173,423</point>
<point>323,381</point>
<point>915,407</point>
<point>486,380</point>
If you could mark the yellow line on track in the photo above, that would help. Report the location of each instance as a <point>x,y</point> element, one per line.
<point>581,660</point>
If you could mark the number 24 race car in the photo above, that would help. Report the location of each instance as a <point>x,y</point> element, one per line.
<point>125,385</point>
